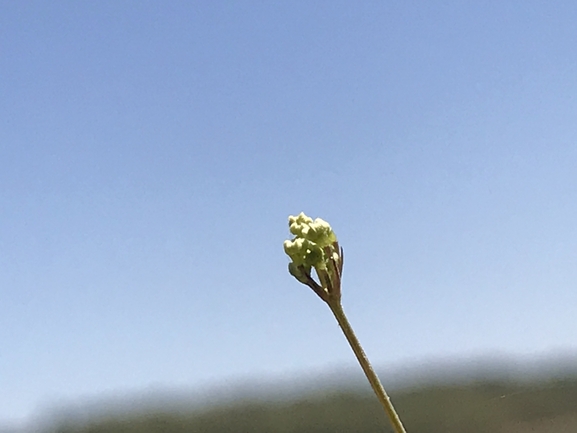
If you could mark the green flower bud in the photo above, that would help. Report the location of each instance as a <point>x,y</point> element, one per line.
<point>314,256</point>
<point>299,272</point>
<point>298,225</point>
<point>321,233</point>
<point>314,246</point>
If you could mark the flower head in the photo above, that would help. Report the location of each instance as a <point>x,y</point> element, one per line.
<point>315,246</point>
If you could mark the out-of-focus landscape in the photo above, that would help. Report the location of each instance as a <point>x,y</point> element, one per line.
<point>152,151</point>
<point>481,397</point>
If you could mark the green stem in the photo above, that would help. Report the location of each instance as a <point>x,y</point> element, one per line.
<point>339,313</point>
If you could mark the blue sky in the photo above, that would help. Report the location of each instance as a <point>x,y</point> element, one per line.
<point>151,152</point>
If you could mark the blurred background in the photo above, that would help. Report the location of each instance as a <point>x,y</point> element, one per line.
<point>151,152</point>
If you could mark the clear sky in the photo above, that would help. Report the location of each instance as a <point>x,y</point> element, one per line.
<point>151,152</point>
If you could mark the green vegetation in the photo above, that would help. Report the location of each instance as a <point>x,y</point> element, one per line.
<point>482,407</point>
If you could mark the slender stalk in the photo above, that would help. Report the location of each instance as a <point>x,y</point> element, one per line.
<point>378,388</point>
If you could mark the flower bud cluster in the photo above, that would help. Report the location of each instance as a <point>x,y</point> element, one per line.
<point>311,237</point>
<point>314,246</point>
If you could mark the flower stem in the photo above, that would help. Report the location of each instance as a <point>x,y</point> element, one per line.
<point>378,388</point>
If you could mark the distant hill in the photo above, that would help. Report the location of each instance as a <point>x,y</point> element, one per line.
<point>482,401</point>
